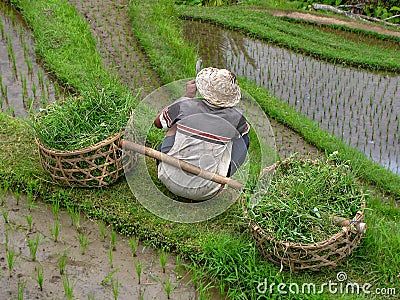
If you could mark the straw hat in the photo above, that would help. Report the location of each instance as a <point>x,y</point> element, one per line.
<point>218,86</point>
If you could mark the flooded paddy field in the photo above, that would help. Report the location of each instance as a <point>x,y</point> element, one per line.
<point>360,107</point>
<point>25,86</point>
<point>47,252</point>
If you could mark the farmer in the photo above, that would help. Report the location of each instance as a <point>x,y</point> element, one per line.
<point>210,133</point>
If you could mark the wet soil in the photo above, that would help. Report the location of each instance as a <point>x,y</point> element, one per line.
<point>92,274</point>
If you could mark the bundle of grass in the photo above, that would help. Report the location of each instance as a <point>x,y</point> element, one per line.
<point>85,120</point>
<point>79,139</point>
<point>310,216</point>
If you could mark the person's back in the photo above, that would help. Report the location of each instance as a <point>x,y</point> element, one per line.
<point>203,134</point>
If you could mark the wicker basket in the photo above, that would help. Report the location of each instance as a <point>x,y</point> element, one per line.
<point>302,256</point>
<point>94,166</point>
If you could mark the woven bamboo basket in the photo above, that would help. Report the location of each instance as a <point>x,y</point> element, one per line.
<point>98,165</point>
<point>302,256</point>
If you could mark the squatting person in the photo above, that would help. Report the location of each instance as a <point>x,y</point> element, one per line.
<point>209,132</point>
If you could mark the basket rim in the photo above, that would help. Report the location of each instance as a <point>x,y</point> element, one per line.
<point>84,150</point>
<point>359,216</point>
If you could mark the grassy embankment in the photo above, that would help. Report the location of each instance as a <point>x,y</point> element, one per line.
<point>295,36</point>
<point>217,245</point>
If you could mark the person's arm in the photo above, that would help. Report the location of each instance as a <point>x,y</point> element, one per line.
<point>243,127</point>
<point>191,89</point>
<point>190,92</point>
<point>157,121</point>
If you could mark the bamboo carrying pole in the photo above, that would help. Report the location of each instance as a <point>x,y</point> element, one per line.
<point>360,226</point>
<point>181,164</point>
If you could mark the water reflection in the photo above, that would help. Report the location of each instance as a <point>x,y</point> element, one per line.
<point>360,107</point>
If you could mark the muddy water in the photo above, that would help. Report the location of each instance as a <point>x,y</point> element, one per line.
<point>25,86</point>
<point>359,107</point>
<point>92,275</point>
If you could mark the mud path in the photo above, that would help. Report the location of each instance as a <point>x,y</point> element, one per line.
<point>110,25</point>
<point>336,21</point>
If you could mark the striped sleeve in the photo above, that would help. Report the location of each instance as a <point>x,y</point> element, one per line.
<point>243,127</point>
<point>170,115</point>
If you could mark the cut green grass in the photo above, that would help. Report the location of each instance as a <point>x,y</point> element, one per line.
<point>63,41</point>
<point>83,121</point>
<point>305,196</point>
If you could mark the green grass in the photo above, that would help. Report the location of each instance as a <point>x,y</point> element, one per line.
<point>20,170</point>
<point>273,4</point>
<point>305,196</point>
<point>19,164</point>
<point>221,249</point>
<point>63,42</point>
<point>327,46</point>
<point>214,244</point>
<point>86,120</point>
<point>160,34</point>
<point>370,37</point>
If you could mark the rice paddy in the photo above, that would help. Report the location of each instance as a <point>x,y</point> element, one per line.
<point>35,266</point>
<point>25,86</point>
<point>360,107</point>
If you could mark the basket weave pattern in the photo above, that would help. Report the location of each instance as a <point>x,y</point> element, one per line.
<point>94,166</point>
<point>299,256</point>
<point>303,256</point>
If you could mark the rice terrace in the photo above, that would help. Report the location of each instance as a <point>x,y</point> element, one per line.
<point>313,212</point>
